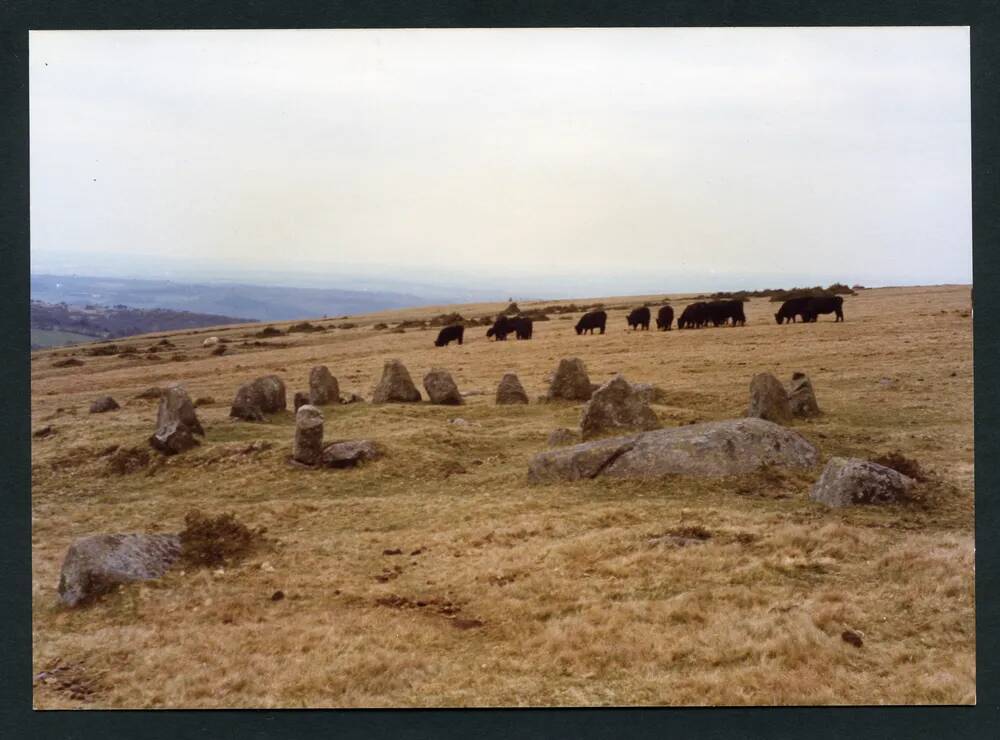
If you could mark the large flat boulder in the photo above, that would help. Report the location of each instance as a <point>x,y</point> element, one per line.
<point>849,481</point>
<point>712,449</point>
<point>95,565</point>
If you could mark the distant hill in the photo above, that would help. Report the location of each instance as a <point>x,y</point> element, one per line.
<point>261,302</point>
<point>56,324</point>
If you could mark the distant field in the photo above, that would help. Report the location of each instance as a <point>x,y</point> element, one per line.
<point>577,604</point>
<point>53,338</point>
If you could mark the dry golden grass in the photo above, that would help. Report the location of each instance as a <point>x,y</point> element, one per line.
<point>506,594</point>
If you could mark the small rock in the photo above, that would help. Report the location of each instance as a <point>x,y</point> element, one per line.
<point>801,397</point>
<point>45,431</point>
<point>103,404</point>
<point>95,565</point>
<point>510,391</point>
<point>851,481</point>
<point>277,596</point>
<point>570,381</point>
<point>350,453</point>
<point>210,342</point>
<point>396,551</point>
<point>308,447</point>
<point>351,398</point>
<point>323,387</point>
<point>441,388</point>
<point>852,637</point>
<point>769,399</point>
<point>616,406</point>
<point>460,422</point>
<point>887,383</point>
<point>264,395</point>
<point>396,385</point>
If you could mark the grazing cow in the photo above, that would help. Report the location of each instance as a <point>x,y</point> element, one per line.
<point>591,321</point>
<point>449,334</point>
<point>504,325</point>
<point>792,308</point>
<point>720,312</point>
<point>694,316</point>
<point>825,304</point>
<point>639,318</point>
<point>664,318</point>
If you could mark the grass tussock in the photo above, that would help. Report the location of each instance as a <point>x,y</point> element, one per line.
<point>208,541</point>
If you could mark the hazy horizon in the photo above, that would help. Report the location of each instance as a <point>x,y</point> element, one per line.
<point>523,162</point>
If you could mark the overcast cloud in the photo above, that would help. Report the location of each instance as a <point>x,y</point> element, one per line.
<point>630,159</point>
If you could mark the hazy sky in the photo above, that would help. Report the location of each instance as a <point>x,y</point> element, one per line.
<point>624,158</point>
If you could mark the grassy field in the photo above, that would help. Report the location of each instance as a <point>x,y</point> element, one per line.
<point>506,594</point>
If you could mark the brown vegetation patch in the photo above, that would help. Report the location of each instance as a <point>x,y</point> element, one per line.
<point>71,679</point>
<point>153,392</point>
<point>124,461</point>
<point>216,540</point>
<point>304,326</point>
<point>103,350</point>
<point>901,464</point>
<point>267,331</point>
<point>68,362</point>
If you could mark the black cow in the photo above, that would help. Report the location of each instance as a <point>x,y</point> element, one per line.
<point>719,312</point>
<point>824,304</point>
<point>694,316</point>
<point>449,334</point>
<point>639,318</point>
<point>664,318</point>
<point>591,321</point>
<point>505,325</point>
<point>792,308</point>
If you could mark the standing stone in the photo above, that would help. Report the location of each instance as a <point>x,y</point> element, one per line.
<point>801,398</point>
<point>300,399</point>
<point>95,565</point>
<point>768,399</point>
<point>308,435</point>
<point>616,407</point>
<point>102,404</point>
<point>396,385</point>
<point>176,423</point>
<point>323,387</point>
<point>441,388</point>
<point>850,481</point>
<point>510,390</point>
<point>570,382</point>
<point>265,395</point>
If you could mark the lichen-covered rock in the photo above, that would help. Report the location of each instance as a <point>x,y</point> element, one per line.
<point>95,565</point>
<point>616,406</point>
<point>649,393</point>
<point>801,397</point>
<point>103,404</point>
<point>768,399</point>
<point>510,391</point>
<point>396,385</point>
<point>308,447</point>
<point>347,454</point>
<point>850,481</point>
<point>351,398</point>
<point>264,395</point>
<point>570,381</point>
<point>323,387</point>
<point>711,449</point>
<point>441,388</point>
<point>176,423</point>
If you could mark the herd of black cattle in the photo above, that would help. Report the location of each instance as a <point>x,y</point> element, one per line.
<point>694,316</point>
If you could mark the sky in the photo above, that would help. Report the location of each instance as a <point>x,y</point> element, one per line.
<point>557,162</point>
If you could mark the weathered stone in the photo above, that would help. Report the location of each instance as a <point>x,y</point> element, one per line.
<point>768,399</point>
<point>349,453</point>
<point>510,391</point>
<point>570,381</point>
<point>850,481</point>
<point>95,565</point>
<point>441,388</point>
<point>264,395</point>
<point>710,449</point>
<point>300,399</point>
<point>308,448</point>
<point>103,404</point>
<point>210,342</point>
<point>323,387</point>
<point>562,436</point>
<point>176,423</point>
<point>615,406</point>
<point>396,385</point>
<point>801,397</point>
<point>351,398</point>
